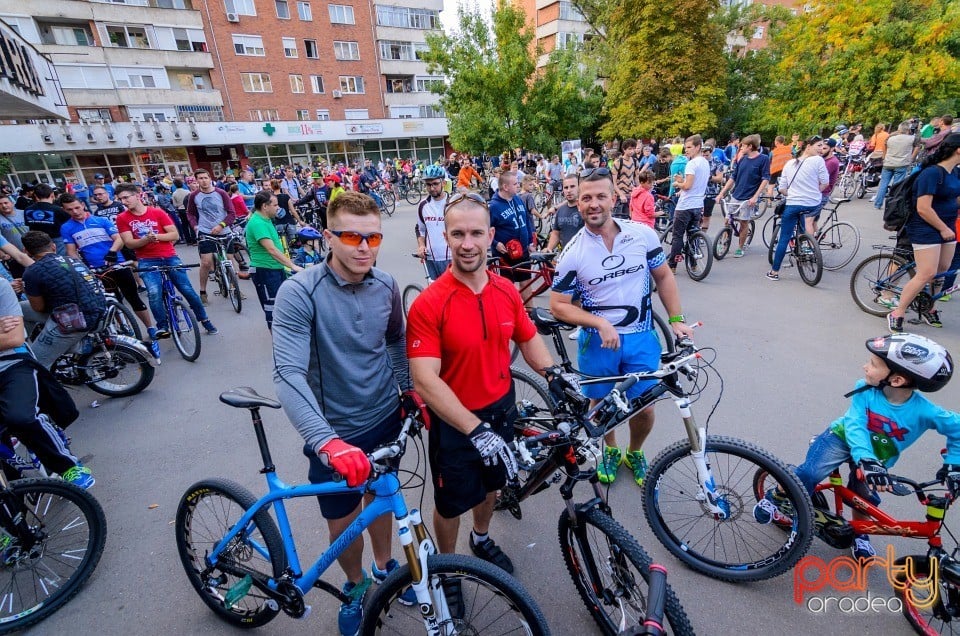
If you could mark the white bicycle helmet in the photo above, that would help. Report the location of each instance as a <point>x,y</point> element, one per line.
<point>921,360</point>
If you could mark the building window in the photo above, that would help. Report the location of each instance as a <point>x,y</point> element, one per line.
<point>351,84</point>
<point>569,12</point>
<point>341,14</point>
<point>408,18</point>
<point>94,114</point>
<point>394,50</point>
<point>565,40</point>
<point>200,113</point>
<point>323,114</point>
<point>356,113</point>
<point>316,83</point>
<point>311,49</point>
<point>289,47</point>
<point>283,9</point>
<point>248,45</point>
<point>139,77</point>
<point>427,84</point>
<point>264,114</point>
<point>303,115</point>
<point>256,82</point>
<point>758,33</point>
<point>128,37</point>
<point>399,85</point>
<point>304,12</point>
<point>69,36</point>
<point>240,7</point>
<point>431,110</point>
<point>346,50</point>
<point>191,82</point>
<point>183,39</point>
<point>296,83</point>
<point>85,76</point>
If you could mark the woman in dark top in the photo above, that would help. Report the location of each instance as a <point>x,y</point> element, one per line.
<point>932,230</point>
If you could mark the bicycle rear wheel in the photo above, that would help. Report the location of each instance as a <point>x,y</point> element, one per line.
<point>207,511</point>
<point>612,573</point>
<point>770,232</point>
<point>184,329</point>
<point>412,195</point>
<point>839,244</point>
<point>738,547</point>
<point>721,243</point>
<point>809,260</point>
<point>410,293</point>
<point>389,202</point>
<point>121,369</point>
<point>233,288</point>
<point>490,601</point>
<point>699,256</point>
<point>847,185</point>
<point>877,281</point>
<point>38,582</point>
<point>664,333</point>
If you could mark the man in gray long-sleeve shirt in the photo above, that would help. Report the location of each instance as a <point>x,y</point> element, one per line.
<point>340,360</point>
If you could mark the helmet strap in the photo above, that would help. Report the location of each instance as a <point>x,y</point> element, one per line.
<point>866,387</point>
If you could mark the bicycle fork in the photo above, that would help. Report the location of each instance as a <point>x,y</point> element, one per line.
<point>708,495</point>
<point>431,598</point>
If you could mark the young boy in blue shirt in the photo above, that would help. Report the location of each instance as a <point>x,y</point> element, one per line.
<point>887,414</point>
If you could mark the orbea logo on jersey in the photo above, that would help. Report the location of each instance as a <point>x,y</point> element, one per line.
<point>845,575</point>
<point>612,262</point>
<point>617,274</point>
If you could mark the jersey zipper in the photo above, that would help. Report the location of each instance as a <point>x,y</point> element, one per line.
<point>483,318</point>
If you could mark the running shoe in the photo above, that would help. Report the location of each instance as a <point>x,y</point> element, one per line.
<point>154,347</point>
<point>409,597</point>
<point>491,553</point>
<point>894,324</point>
<point>574,334</point>
<point>945,298</point>
<point>637,463</point>
<point>351,613</point>
<point>773,275</point>
<point>774,508</point>
<point>79,476</point>
<point>162,332</point>
<point>932,318</point>
<point>862,548</point>
<point>208,325</point>
<point>607,470</point>
<point>738,254</point>
<point>889,303</point>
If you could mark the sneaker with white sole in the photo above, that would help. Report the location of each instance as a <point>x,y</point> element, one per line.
<point>575,334</point>
<point>408,597</point>
<point>862,548</point>
<point>894,323</point>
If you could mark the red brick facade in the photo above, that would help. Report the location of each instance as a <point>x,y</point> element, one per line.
<point>237,104</point>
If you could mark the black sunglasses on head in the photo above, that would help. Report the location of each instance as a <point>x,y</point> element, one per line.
<point>600,172</point>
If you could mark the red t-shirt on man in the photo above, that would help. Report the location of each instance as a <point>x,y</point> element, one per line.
<point>153,219</point>
<point>470,333</point>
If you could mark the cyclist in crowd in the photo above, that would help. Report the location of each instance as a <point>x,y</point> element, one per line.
<point>267,259</point>
<point>210,212</point>
<point>458,342</point>
<point>468,176</point>
<point>625,169</point>
<point>643,208</point>
<point>318,195</point>
<point>12,224</point>
<point>782,153</point>
<point>714,183</point>
<point>677,167</point>
<point>291,185</point>
<point>566,217</point>
<point>240,209</point>
<point>802,182</point>
<point>555,174</point>
<point>528,184</point>
<point>247,189</point>
<point>43,215</point>
<point>692,187</point>
<point>344,314</point>
<point>151,234</point>
<point>617,335</point>
<point>97,241</point>
<point>21,382</point>
<point>750,177</point>
<point>179,199</point>
<point>308,254</point>
<point>647,159</point>
<point>431,244</point>
<point>514,237</point>
<point>288,220</point>
<point>830,160</point>
<point>661,171</point>
<point>886,416</point>
<point>901,150</point>
<point>932,230</point>
<point>52,284</point>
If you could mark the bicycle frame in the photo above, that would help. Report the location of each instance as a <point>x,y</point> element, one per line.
<point>886,284</point>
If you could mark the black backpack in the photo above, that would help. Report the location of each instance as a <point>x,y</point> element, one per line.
<point>900,203</point>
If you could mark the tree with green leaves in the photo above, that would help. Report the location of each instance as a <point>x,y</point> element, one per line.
<point>495,98</point>
<point>863,60</point>
<point>665,67</point>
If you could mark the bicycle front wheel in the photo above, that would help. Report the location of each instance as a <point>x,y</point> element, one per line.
<point>847,184</point>
<point>123,321</point>
<point>699,257</point>
<point>39,581</point>
<point>530,390</point>
<point>233,288</point>
<point>809,260</point>
<point>769,232</point>
<point>737,547</point>
<point>490,601</point>
<point>612,573</point>
<point>721,243</point>
<point>410,293</point>
<point>389,202</point>
<point>121,370</point>
<point>207,511</point>
<point>839,244</point>
<point>664,334</point>
<point>877,281</point>
<point>926,596</point>
<point>185,330</point>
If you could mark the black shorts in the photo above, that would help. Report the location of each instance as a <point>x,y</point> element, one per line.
<point>708,203</point>
<point>513,274</point>
<point>208,245</point>
<point>460,480</point>
<point>128,254</point>
<point>122,281</point>
<point>340,505</point>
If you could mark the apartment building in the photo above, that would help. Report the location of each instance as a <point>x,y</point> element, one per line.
<point>166,86</point>
<point>556,23</point>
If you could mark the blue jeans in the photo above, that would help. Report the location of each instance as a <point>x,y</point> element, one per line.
<point>435,268</point>
<point>826,453</point>
<point>792,214</point>
<point>888,177</point>
<point>155,290</point>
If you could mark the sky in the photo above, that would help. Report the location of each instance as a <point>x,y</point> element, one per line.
<point>449,14</point>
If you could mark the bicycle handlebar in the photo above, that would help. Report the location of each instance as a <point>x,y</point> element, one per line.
<point>166,268</point>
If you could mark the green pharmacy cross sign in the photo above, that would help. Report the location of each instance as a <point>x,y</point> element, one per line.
<point>269,129</point>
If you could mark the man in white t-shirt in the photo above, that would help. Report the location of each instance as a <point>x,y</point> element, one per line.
<point>692,187</point>
<point>431,244</point>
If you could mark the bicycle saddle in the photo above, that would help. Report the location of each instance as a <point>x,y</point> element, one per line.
<point>243,397</point>
<point>843,200</point>
<point>545,321</point>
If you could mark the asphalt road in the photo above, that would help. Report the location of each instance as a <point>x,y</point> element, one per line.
<point>787,354</point>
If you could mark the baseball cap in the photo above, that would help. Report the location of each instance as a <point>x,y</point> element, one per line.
<point>315,175</point>
<point>831,142</point>
<point>99,175</point>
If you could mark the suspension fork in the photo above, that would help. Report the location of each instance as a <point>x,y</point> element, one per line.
<point>698,451</point>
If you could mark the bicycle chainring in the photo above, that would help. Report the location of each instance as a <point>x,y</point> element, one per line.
<point>292,604</point>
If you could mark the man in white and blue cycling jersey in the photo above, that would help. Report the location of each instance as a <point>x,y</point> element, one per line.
<point>609,264</point>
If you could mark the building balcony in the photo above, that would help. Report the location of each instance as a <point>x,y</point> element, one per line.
<point>110,12</point>
<point>103,98</point>
<point>117,56</point>
<point>73,54</point>
<point>401,34</point>
<point>403,67</point>
<point>410,99</point>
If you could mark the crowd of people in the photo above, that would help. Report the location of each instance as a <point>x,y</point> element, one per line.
<point>347,363</point>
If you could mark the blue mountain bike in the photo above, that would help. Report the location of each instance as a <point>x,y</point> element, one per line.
<point>183,323</point>
<point>247,570</point>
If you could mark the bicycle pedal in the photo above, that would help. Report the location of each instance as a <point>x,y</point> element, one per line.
<point>306,612</point>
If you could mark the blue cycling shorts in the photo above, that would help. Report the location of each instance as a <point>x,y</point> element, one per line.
<point>638,351</point>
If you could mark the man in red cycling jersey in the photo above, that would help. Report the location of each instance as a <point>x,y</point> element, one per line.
<point>458,342</point>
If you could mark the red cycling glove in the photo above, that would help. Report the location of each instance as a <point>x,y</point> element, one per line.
<point>349,461</point>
